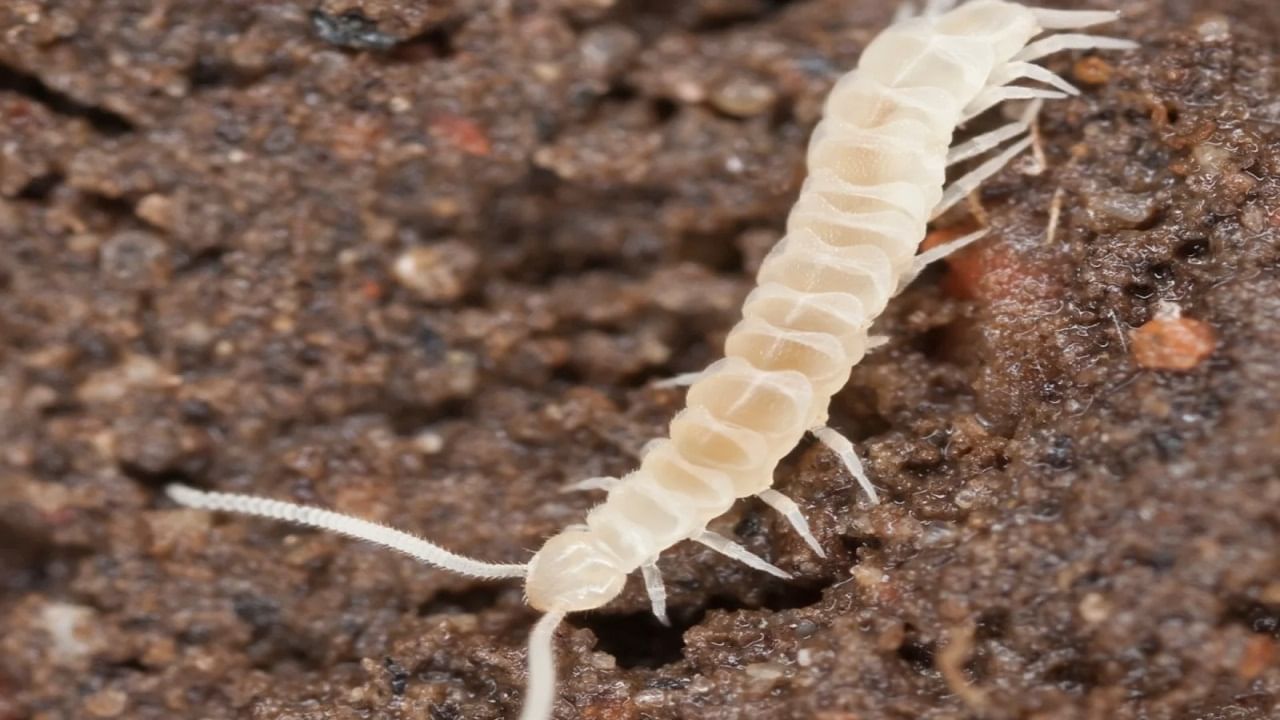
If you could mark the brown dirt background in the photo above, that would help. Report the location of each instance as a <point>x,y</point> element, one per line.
<point>421,262</point>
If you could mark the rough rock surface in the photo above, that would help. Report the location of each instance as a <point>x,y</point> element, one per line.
<point>421,261</point>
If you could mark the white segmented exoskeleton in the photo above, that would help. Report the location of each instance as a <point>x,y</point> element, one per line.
<point>877,164</point>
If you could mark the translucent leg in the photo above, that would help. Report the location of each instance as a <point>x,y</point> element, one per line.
<point>876,341</point>
<point>981,143</point>
<point>592,483</point>
<point>992,96</point>
<point>841,446</point>
<point>681,380</point>
<point>733,550</point>
<point>1072,19</point>
<point>656,590</point>
<point>1071,41</point>
<point>1012,71</point>
<point>932,255</point>
<point>971,180</point>
<point>789,510</point>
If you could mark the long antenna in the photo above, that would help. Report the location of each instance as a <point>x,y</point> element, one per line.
<point>398,540</point>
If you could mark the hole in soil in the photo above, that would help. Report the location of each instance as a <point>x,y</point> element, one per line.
<point>620,93</point>
<point>157,480</point>
<point>937,343</point>
<point>743,14</point>
<point>434,44</point>
<point>992,624</point>
<point>916,652</point>
<point>853,543</point>
<point>1161,272</point>
<point>663,109</point>
<point>1258,617</point>
<point>716,251</point>
<point>116,207</point>
<point>32,562</point>
<point>1073,676</point>
<point>408,419</point>
<point>39,188</point>
<point>1194,250</point>
<point>856,416</point>
<point>458,602</point>
<point>31,87</point>
<point>209,73</point>
<point>1141,291</point>
<point>638,640</point>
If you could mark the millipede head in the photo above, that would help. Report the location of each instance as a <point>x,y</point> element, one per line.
<point>573,571</point>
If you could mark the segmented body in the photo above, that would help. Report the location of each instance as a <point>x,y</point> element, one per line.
<point>877,164</point>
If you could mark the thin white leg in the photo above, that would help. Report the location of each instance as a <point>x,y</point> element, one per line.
<point>733,550</point>
<point>656,590</point>
<point>841,446</point>
<point>877,341</point>
<point>972,179</point>
<point>1071,41</point>
<point>1012,71</point>
<point>787,507</point>
<point>992,96</point>
<point>981,143</point>
<point>1072,19</point>
<point>932,255</point>
<point>592,483</point>
<point>681,380</point>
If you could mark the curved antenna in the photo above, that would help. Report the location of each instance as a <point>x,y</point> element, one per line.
<point>398,540</point>
<point>540,690</point>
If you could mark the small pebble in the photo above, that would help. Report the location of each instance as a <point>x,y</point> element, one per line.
<point>106,703</point>
<point>1172,343</point>
<point>1094,608</point>
<point>136,260</point>
<point>1117,210</point>
<point>1092,70</point>
<point>649,698</point>
<point>428,443</point>
<point>743,97</point>
<point>437,273</point>
<point>1213,27</point>
<point>156,210</point>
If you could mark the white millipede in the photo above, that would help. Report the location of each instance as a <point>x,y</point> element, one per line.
<point>877,164</point>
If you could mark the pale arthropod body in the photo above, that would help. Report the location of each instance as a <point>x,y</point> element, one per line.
<point>877,169</point>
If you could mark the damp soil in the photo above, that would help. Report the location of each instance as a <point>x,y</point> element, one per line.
<point>422,262</point>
